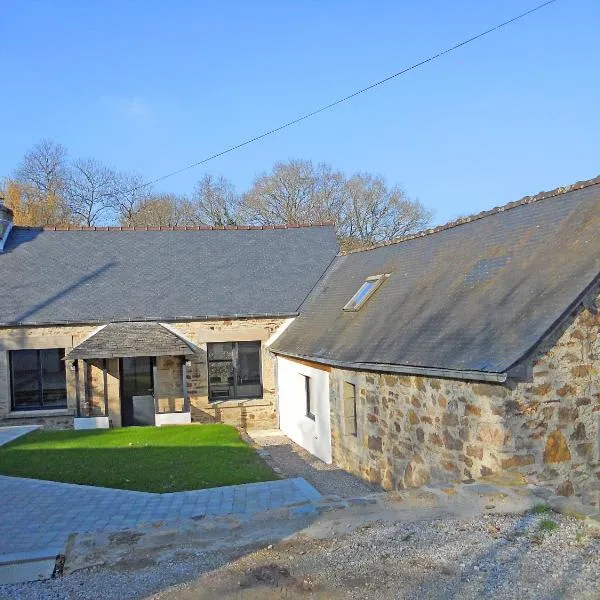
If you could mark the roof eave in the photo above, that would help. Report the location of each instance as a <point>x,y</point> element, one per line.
<point>161,319</point>
<point>468,375</point>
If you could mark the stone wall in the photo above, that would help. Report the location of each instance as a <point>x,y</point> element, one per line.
<point>259,413</point>
<point>544,427</point>
<point>249,413</point>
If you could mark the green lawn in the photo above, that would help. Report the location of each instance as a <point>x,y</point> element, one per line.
<point>150,459</point>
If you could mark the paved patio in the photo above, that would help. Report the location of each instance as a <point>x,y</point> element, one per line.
<point>8,434</point>
<point>39,515</point>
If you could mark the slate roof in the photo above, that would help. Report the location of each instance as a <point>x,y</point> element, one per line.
<point>473,296</point>
<point>89,276</point>
<point>116,340</point>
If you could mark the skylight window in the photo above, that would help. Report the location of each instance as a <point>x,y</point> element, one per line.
<point>365,291</point>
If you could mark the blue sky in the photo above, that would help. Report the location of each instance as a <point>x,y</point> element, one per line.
<point>151,86</point>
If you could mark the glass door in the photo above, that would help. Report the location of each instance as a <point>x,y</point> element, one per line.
<point>136,381</point>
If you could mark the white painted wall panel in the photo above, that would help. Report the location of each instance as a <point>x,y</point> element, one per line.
<point>314,436</point>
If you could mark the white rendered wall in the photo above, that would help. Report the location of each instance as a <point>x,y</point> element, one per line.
<point>176,418</point>
<point>314,436</point>
<point>91,423</point>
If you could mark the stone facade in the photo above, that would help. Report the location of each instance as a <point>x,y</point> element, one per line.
<point>250,413</point>
<point>544,426</point>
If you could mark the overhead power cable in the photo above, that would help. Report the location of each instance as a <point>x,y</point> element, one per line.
<point>313,113</point>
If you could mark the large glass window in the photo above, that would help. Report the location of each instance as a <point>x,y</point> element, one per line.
<point>234,370</point>
<point>38,379</point>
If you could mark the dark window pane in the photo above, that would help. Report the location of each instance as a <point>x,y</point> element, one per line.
<point>220,380</point>
<point>309,408</point>
<point>220,351</point>
<point>234,370</point>
<point>54,383</point>
<point>25,379</point>
<point>248,370</point>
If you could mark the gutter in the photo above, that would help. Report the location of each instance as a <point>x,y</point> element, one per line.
<point>161,319</point>
<point>404,369</point>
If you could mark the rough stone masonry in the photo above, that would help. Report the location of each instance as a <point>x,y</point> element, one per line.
<point>544,427</point>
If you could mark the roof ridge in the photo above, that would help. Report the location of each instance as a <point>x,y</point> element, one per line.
<point>486,213</point>
<point>176,227</point>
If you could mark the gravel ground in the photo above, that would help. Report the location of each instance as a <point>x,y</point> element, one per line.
<point>492,556</point>
<point>293,461</point>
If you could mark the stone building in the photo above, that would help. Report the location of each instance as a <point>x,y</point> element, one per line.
<point>108,327</point>
<point>465,351</point>
<point>461,352</point>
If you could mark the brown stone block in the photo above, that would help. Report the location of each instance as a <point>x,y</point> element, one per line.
<point>442,401</point>
<point>489,390</point>
<point>420,435</point>
<point>415,402</point>
<point>475,452</point>
<point>583,402</point>
<point>420,384</point>
<point>499,411</point>
<point>517,461</point>
<point>565,489</point>
<point>434,438</point>
<point>581,370</point>
<point>434,384</point>
<point>450,466</point>
<point>416,473</point>
<point>557,449</point>
<point>567,415</point>
<point>548,411</point>
<point>471,409</point>
<point>427,420</point>
<point>524,408</point>
<point>491,435</point>
<point>565,390</point>
<point>451,442</point>
<point>374,443</point>
<point>542,390</point>
<point>450,419</point>
<point>412,417</point>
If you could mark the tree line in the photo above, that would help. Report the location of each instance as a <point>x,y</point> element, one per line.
<point>49,189</point>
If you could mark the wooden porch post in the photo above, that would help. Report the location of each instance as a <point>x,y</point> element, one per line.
<point>77,390</point>
<point>105,382</point>
<point>155,384</point>
<point>186,399</point>
<point>86,390</point>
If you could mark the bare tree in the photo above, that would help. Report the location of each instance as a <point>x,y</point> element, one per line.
<point>376,213</point>
<point>44,168</point>
<point>164,210</point>
<point>37,190</point>
<point>363,208</point>
<point>295,192</point>
<point>130,194</point>
<point>215,202</point>
<point>90,191</point>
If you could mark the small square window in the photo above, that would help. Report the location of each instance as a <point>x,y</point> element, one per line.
<point>365,291</point>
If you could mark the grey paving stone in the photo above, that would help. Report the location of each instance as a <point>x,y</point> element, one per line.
<point>64,508</point>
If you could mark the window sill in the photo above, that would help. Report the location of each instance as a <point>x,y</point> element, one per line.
<point>24,414</point>
<point>245,399</point>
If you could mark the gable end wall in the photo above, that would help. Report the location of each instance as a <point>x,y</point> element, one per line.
<point>543,429</point>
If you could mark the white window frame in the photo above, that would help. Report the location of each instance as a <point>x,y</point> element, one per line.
<point>353,305</point>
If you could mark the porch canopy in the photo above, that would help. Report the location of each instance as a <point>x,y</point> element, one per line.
<point>136,338</point>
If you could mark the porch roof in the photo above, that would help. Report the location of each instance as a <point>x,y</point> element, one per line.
<point>117,340</point>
